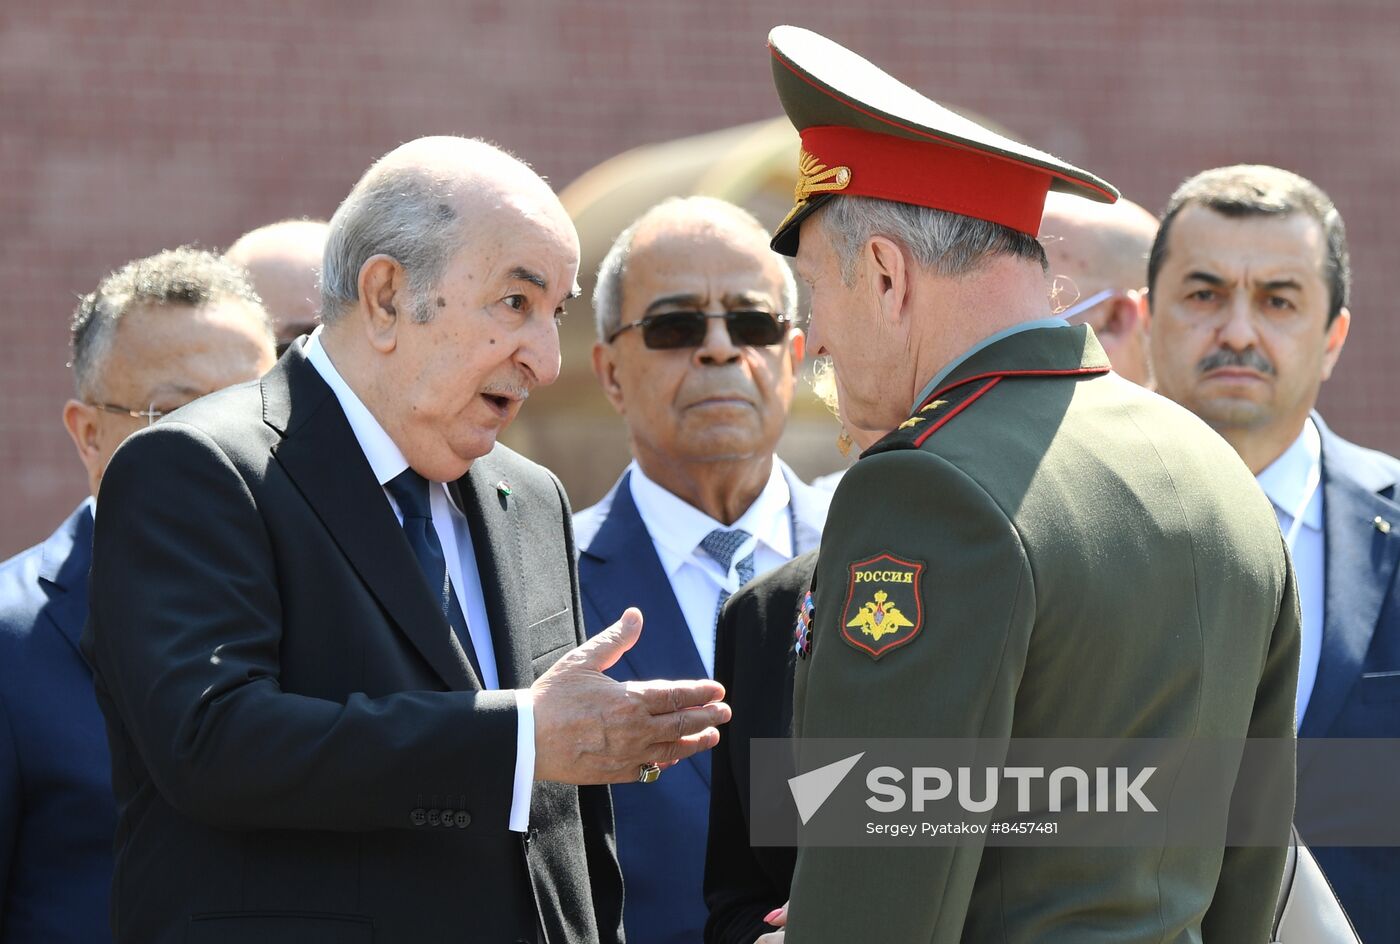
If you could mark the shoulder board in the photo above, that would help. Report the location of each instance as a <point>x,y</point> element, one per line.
<point>933,415</point>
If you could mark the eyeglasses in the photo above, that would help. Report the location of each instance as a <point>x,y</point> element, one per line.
<point>680,329</point>
<point>150,413</point>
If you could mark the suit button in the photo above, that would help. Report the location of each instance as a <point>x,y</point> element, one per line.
<point>418,817</point>
<point>462,818</point>
<point>434,817</point>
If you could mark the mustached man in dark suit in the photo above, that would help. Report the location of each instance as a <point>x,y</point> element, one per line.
<point>336,629</point>
<point>1249,278</point>
<point>154,335</point>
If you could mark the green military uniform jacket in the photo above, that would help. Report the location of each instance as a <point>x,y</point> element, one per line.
<point>1091,561</point>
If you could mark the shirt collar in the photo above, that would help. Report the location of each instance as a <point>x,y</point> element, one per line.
<point>1286,479</point>
<point>686,526</point>
<point>986,342</point>
<point>384,457</point>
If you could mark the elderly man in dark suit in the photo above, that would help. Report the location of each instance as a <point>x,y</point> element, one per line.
<point>697,350</point>
<point>1249,278</point>
<point>336,629</point>
<point>154,335</point>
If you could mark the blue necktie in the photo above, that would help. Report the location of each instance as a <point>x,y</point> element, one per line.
<point>722,545</point>
<point>410,492</point>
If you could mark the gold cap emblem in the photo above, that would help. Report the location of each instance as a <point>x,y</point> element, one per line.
<point>815,177</point>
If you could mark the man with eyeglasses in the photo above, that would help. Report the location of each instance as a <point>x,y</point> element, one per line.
<point>1098,267</point>
<point>697,352</point>
<point>156,334</point>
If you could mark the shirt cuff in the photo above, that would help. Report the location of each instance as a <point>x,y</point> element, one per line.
<point>524,760</point>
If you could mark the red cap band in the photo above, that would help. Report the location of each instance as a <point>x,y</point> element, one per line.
<point>933,174</point>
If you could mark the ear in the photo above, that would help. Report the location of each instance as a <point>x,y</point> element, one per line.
<point>605,369</point>
<point>797,346</point>
<point>80,420</point>
<point>384,298</point>
<point>1336,338</point>
<point>1124,315</point>
<point>887,276</point>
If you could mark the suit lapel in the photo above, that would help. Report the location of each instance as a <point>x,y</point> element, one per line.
<point>1360,566</point>
<point>620,569</point>
<point>322,457</point>
<point>496,543</point>
<point>66,560</point>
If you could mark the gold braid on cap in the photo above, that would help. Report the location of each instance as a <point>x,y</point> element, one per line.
<point>815,177</point>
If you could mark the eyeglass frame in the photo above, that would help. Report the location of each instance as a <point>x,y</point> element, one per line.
<point>784,321</point>
<point>150,412</point>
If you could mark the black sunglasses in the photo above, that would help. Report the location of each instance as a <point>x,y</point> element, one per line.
<point>677,329</point>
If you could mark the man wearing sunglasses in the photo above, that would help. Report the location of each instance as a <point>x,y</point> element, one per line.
<point>1098,267</point>
<point>155,335</point>
<point>697,352</point>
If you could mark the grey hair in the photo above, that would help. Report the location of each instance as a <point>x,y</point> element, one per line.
<point>948,243</point>
<point>607,291</point>
<point>404,213</point>
<point>187,277</point>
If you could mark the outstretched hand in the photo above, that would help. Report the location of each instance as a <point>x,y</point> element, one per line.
<point>592,729</point>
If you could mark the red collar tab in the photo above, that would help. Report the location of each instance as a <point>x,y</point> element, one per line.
<point>856,162</point>
<point>1068,372</point>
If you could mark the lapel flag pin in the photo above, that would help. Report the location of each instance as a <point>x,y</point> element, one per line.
<point>1382,525</point>
<point>503,487</point>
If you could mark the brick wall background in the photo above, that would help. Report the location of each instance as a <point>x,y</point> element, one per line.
<point>130,127</point>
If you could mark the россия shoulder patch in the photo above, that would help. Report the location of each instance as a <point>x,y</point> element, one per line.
<point>884,604</point>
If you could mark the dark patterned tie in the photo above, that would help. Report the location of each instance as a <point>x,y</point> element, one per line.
<point>722,545</point>
<point>410,492</point>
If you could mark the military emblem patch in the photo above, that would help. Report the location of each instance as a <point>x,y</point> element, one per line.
<point>802,632</point>
<point>884,607</point>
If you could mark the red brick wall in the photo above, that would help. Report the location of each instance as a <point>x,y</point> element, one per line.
<point>130,127</point>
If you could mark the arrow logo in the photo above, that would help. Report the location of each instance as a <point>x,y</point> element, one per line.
<point>811,790</point>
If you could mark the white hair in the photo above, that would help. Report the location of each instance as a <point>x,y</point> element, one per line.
<point>607,291</point>
<point>408,212</point>
<point>948,243</point>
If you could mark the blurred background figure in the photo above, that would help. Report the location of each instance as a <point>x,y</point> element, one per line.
<point>697,351</point>
<point>1098,267</point>
<point>284,263</point>
<point>155,335</point>
<point>1250,276</point>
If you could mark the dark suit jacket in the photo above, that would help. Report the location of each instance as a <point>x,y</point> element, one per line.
<point>661,827</point>
<point>57,815</point>
<point>754,662</point>
<point>1357,692</point>
<point>300,749</point>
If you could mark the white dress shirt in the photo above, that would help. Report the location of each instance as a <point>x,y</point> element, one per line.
<point>387,462</point>
<point>1293,483</point>
<point>677,528</point>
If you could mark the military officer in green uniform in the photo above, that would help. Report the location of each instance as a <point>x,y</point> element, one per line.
<point>1040,549</point>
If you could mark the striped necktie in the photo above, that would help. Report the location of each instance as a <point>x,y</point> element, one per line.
<point>722,545</point>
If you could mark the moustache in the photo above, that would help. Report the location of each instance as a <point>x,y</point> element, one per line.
<point>512,390</point>
<point>1225,357</point>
